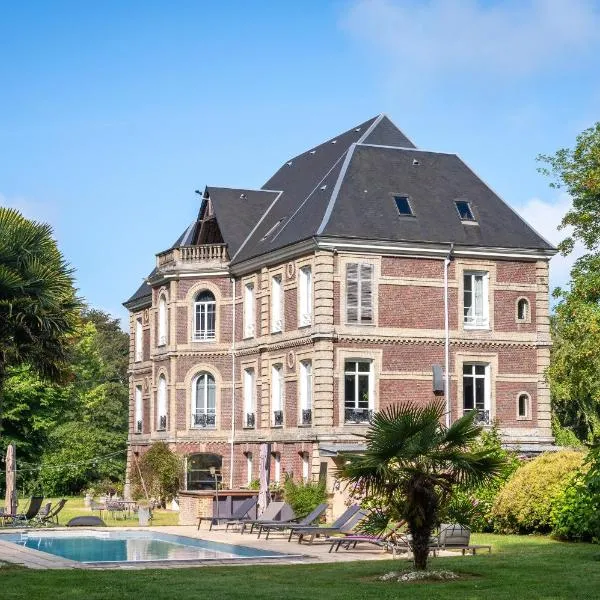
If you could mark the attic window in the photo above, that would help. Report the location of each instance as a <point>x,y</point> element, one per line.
<point>403,206</point>
<point>464,210</point>
<point>272,230</point>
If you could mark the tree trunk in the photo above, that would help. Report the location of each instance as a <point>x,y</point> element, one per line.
<point>420,543</point>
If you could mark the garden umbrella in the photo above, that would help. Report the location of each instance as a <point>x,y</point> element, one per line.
<point>10,501</point>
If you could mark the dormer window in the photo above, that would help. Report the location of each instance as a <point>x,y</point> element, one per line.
<point>403,206</point>
<point>464,210</point>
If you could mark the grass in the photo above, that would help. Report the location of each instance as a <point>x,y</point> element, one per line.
<point>519,567</point>
<point>75,508</point>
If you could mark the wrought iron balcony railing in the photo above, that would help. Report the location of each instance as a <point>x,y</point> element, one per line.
<point>162,422</point>
<point>138,426</point>
<point>202,419</point>
<point>250,420</point>
<point>482,417</point>
<point>357,415</point>
<point>277,418</point>
<point>306,416</point>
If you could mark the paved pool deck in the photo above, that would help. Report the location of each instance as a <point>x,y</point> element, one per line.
<point>317,552</point>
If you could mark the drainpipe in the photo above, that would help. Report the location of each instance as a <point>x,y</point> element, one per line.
<point>232,385</point>
<point>447,262</point>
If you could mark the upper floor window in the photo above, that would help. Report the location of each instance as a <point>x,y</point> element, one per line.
<point>161,412</point>
<point>277,395</point>
<point>403,206</point>
<point>162,321</point>
<point>306,392</point>
<point>204,401</point>
<point>139,340</point>
<point>249,393</point>
<point>523,310</point>
<point>305,297</point>
<point>249,316</point>
<point>276,304</point>
<point>137,411</point>
<point>358,391</point>
<point>205,311</point>
<point>476,390</point>
<point>464,210</point>
<point>359,293</point>
<point>476,310</point>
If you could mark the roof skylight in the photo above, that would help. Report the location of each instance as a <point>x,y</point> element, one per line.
<point>464,210</point>
<point>403,206</point>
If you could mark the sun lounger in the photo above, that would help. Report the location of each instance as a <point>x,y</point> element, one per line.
<point>307,521</point>
<point>240,513</point>
<point>285,514</point>
<point>343,524</point>
<point>391,540</point>
<point>35,504</point>
<point>268,514</point>
<point>52,517</point>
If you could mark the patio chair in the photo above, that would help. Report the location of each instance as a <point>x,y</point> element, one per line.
<point>43,512</point>
<point>117,509</point>
<point>307,521</point>
<point>52,517</point>
<point>339,525</point>
<point>92,521</point>
<point>457,537</point>
<point>99,506</point>
<point>269,514</point>
<point>35,504</point>
<point>239,514</point>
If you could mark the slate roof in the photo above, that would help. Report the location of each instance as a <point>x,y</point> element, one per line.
<point>345,188</point>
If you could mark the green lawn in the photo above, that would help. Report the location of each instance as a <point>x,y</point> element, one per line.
<point>519,567</point>
<point>75,508</point>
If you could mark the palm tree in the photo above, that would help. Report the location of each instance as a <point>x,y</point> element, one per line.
<point>413,462</point>
<point>38,306</point>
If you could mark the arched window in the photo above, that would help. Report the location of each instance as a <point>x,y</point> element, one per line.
<point>162,404</point>
<point>523,409</point>
<point>204,401</point>
<point>523,310</point>
<point>162,321</point>
<point>205,310</point>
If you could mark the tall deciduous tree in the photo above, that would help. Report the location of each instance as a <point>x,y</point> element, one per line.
<point>413,462</point>
<point>574,373</point>
<point>38,306</point>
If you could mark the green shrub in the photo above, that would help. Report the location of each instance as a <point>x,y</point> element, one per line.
<point>159,474</point>
<point>576,510</point>
<point>524,504</point>
<point>304,496</point>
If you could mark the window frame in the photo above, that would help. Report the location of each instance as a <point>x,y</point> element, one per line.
<point>200,307</point>
<point>356,374</point>
<point>163,321</point>
<point>249,468</point>
<point>305,301</point>
<point>277,393</point>
<point>162,401</point>
<point>527,317</point>
<point>139,340</point>
<point>249,396</point>
<point>473,218</point>
<point>487,388</point>
<point>479,321</point>
<point>411,212</point>
<point>194,401</point>
<point>527,416</point>
<point>305,389</point>
<point>138,409</point>
<point>249,310</point>
<point>277,303</point>
<point>365,286</point>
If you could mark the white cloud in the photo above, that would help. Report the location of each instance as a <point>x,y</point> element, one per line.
<point>446,37</point>
<point>30,209</point>
<point>545,217</point>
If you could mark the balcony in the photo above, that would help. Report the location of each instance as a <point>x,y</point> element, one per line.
<point>162,423</point>
<point>138,426</point>
<point>250,421</point>
<point>277,418</point>
<point>203,420</point>
<point>306,416</point>
<point>360,416</point>
<point>201,258</point>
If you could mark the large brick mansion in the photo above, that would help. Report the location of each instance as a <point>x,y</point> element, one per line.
<point>289,314</point>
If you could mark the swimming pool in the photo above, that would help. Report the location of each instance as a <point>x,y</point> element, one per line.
<point>132,546</point>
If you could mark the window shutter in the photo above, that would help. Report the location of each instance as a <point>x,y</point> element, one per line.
<point>352,293</point>
<point>366,293</point>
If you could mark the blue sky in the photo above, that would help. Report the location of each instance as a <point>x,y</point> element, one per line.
<point>113,113</point>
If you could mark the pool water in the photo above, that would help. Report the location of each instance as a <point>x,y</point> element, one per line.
<point>132,546</point>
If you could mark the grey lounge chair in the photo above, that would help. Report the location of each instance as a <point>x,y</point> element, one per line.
<point>52,517</point>
<point>307,521</point>
<point>346,527</point>
<point>35,504</point>
<point>269,514</point>
<point>285,515</point>
<point>239,514</point>
<point>300,530</point>
<point>457,537</point>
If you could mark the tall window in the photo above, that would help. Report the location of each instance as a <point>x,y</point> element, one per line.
<point>249,414</point>
<point>305,465</point>
<point>204,402</point>
<point>138,414</point>
<point>523,310</point>
<point>276,304</point>
<point>162,321</point>
<point>476,390</point>
<point>205,310</point>
<point>305,297</point>
<point>277,395</point>
<point>359,293</point>
<point>476,311</point>
<point>139,340</point>
<point>162,404</point>
<point>248,468</point>
<point>306,392</point>
<point>249,316</point>
<point>277,461</point>
<point>523,406</point>
<point>358,386</point>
